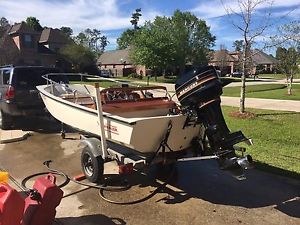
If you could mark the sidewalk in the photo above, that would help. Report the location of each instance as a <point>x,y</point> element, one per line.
<point>260,103</point>
<point>257,103</point>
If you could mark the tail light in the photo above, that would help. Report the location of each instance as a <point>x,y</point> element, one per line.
<point>10,93</point>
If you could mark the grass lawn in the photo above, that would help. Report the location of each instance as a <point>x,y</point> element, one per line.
<point>276,138</point>
<point>102,83</point>
<point>279,76</point>
<point>269,91</point>
<point>160,79</point>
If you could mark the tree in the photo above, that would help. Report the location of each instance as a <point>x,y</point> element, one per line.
<point>8,50</point>
<point>171,42</point>
<point>289,52</point>
<point>3,22</point>
<point>242,19</point>
<point>126,39</point>
<point>238,45</point>
<point>80,56</point>
<point>67,31</point>
<point>34,23</point>
<point>222,60</point>
<point>288,64</point>
<point>92,39</point>
<point>154,45</point>
<point>103,43</point>
<point>135,18</point>
<point>192,38</point>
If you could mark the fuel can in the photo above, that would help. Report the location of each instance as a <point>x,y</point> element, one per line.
<point>3,177</point>
<point>11,206</point>
<point>41,209</point>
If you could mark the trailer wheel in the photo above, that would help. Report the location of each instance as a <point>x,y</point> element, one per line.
<point>92,166</point>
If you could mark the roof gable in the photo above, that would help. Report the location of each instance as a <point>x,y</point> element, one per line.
<point>259,57</point>
<point>223,55</point>
<point>53,35</point>
<point>21,28</point>
<point>115,57</point>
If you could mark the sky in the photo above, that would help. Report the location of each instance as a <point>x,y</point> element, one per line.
<point>112,17</point>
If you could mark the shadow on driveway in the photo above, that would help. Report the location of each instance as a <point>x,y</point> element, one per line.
<point>91,220</point>
<point>203,180</point>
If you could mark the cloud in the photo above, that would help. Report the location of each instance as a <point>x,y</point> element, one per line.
<point>110,16</point>
<point>77,14</point>
<point>217,8</point>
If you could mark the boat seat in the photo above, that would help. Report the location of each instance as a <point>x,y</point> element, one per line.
<point>143,104</point>
<point>81,100</point>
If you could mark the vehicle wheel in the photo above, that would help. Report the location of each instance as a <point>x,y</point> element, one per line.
<point>5,121</point>
<point>92,166</point>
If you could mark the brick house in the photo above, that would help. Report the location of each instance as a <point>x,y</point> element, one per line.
<point>21,45</point>
<point>119,64</point>
<point>224,61</point>
<point>229,62</point>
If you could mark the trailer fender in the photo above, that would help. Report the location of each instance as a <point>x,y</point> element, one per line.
<point>93,144</point>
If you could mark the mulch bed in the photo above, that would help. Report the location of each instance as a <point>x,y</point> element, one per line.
<point>245,115</point>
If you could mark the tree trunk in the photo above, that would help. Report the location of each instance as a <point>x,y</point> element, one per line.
<point>243,80</point>
<point>155,74</point>
<point>243,93</point>
<point>290,84</point>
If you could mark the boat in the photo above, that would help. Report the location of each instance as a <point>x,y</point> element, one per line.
<point>147,120</point>
<point>136,117</point>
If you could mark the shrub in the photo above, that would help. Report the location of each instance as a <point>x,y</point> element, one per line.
<point>135,76</point>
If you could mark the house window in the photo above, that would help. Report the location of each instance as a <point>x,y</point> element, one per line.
<point>28,41</point>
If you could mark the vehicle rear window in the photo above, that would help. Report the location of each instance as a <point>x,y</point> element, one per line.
<point>29,78</point>
<point>6,75</point>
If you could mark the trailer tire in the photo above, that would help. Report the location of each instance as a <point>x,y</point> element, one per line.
<point>92,166</point>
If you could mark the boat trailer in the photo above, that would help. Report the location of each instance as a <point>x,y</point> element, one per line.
<point>199,94</point>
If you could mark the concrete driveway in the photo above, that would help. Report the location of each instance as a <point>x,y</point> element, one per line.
<point>198,193</point>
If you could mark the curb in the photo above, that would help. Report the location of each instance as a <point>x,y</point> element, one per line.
<point>15,139</point>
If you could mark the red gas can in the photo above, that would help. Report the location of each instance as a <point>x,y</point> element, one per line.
<point>42,211</point>
<point>11,206</point>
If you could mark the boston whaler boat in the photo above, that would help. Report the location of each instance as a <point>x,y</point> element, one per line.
<point>145,125</point>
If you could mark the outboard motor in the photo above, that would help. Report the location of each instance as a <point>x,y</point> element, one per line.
<point>199,93</point>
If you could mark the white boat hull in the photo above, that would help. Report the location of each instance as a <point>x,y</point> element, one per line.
<point>143,134</point>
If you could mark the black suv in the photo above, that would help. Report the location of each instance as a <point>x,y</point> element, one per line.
<point>18,93</point>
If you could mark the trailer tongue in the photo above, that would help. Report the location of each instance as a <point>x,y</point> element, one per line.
<point>199,93</point>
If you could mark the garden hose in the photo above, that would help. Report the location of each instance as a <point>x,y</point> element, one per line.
<point>101,187</point>
<point>159,188</point>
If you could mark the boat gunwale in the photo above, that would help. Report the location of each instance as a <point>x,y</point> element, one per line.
<point>41,89</point>
<point>77,106</point>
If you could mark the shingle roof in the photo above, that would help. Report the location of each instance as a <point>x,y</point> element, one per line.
<point>21,28</point>
<point>115,57</point>
<point>53,35</point>
<point>261,58</point>
<point>44,50</point>
<point>223,55</point>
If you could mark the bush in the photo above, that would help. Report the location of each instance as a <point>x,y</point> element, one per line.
<point>135,76</point>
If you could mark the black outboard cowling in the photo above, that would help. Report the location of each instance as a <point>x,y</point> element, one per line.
<point>198,86</point>
<point>199,93</point>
